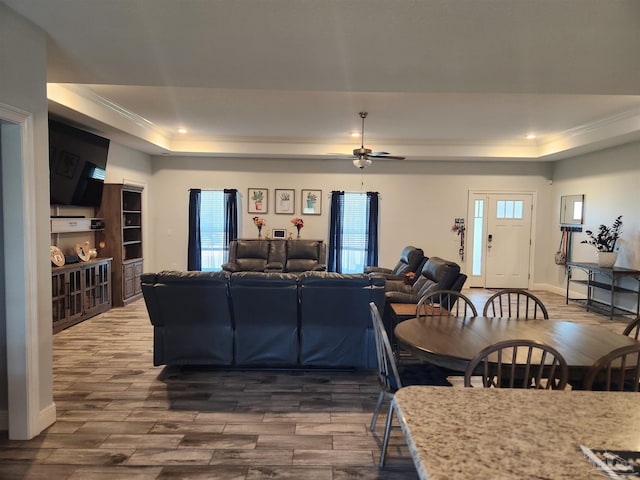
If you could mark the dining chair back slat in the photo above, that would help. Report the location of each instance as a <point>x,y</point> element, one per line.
<point>514,303</point>
<point>633,328</point>
<point>519,364</point>
<point>443,303</point>
<point>618,370</point>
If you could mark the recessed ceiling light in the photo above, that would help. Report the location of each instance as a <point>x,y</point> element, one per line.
<point>182,130</point>
<point>531,136</point>
<point>355,134</point>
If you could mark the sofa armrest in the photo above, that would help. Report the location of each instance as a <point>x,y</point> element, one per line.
<point>400,297</point>
<point>321,267</point>
<point>274,267</point>
<point>230,267</point>
<point>397,286</point>
<point>387,271</point>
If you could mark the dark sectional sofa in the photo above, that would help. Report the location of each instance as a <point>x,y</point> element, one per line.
<point>276,255</point>
<point>257,319</point>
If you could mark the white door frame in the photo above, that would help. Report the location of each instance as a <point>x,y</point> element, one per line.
<point>470,226</point>
<point>21,289</point>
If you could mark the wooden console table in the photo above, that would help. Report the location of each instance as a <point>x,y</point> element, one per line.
<point>606,279</point>
<point>80,291</point>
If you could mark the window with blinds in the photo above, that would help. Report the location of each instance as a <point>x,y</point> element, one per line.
<point>212,225</point>
<point>354,232</point>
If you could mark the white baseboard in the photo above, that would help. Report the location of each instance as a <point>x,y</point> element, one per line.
<point>550,288</point>
<point>46,418</point>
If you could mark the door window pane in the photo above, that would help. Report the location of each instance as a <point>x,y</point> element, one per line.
<point>478,236</point>
<point>509,209</point>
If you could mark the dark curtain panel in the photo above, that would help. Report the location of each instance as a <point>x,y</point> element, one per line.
<point>371,259</point>
<point>334,256</point>
<point>194,247</point>
<point>230,216</point>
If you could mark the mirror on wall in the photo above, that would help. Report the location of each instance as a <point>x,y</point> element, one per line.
<point>571,209</point>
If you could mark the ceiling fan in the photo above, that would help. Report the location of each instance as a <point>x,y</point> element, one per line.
<point>364,155</point>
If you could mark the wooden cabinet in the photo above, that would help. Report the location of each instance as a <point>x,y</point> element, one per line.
<point>121,210</point>
<point>80,291</point>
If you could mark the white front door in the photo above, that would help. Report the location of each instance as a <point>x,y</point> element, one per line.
<point>500,239</point>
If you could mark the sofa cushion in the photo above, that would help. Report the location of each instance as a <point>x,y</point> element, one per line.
<point>304,256</point>
<point>441,272</point>
<point>265,310</point>
<point>191,316</point>
<point>252,256</point>
<point>277,256</point>
<point>335,322</point>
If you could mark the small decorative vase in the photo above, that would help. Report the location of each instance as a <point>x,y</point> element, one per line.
<point>259,232</point>
<point>298,237</point>
<point>607,259</point>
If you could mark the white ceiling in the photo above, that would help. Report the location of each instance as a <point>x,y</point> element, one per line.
<point>441,79</point>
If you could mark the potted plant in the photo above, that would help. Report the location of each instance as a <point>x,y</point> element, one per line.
<point>605,240</point>
<point>257,196</point>
<point>285,198</point>
<point>311,200</point>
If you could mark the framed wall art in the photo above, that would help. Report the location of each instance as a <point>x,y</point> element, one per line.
<point>311,202</point>
<point>285,201</point>
<point>257,200</point>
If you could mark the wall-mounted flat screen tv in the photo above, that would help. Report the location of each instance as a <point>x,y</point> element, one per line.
<point>77,164</point>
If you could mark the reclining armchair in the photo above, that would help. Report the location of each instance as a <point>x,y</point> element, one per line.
<point>436,274</point>
<point>249,256</point>
<point>411,260</point>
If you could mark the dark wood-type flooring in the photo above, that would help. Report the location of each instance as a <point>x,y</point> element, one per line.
<point>119,417</point>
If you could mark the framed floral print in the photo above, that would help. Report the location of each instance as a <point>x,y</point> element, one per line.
<point>285,201</point>
<point>257,200</point>
<point>311,202</point>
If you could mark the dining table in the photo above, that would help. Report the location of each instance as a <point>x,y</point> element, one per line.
<point>503,433</point>
<point>451,342</point>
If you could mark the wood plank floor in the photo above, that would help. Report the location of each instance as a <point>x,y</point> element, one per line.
<point>121,418</point>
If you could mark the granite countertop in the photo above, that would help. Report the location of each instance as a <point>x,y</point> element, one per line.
<point>485,433</point>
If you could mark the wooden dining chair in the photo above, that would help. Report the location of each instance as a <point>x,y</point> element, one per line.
<point>392,376</point>
<point>514,303</point>
<point>445,302</point>
<point>519,364</point>
<point>617,370</point>
<point>633,328</point>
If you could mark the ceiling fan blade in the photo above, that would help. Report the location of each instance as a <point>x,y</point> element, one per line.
<point>341,156</point>
<point>390,157</point>
<point>378,154</point>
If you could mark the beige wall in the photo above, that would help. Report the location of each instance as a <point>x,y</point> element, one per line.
<point>610,182</point>
<point>419,200</point>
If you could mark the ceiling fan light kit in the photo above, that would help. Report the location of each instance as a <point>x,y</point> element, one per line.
<point>362,162</point>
